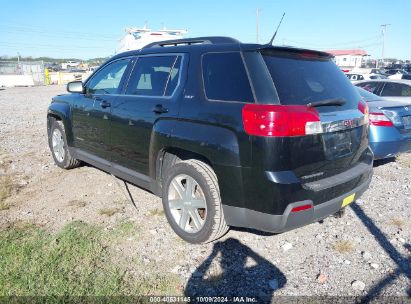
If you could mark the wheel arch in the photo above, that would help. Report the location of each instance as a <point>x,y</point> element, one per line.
<point>62,112</point>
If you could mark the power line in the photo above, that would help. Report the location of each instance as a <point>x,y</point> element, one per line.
<point>44,30</point>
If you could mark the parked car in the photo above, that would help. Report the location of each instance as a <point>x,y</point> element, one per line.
<point>397,74</point>
<point>399,90</point>
<point>390,125</point>
<point>356,77</point>
<point>368,71</point>
<point>228,134</point>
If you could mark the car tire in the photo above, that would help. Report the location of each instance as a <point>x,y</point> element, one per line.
<point>192,203</point>
<point>58,146</point>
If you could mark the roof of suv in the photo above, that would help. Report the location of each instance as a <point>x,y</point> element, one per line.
<point>213,43</point>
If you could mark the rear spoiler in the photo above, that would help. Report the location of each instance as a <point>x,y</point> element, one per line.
<point>295,51</point>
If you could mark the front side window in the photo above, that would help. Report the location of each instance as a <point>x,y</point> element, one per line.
<point>396,89</point>
<point>107,80</point>
<point>155,76</point>
<point>225,77</point>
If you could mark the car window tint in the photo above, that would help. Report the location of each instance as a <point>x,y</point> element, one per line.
<point>225,77</point>
<point>369,86</point>
<point>151,75</point>
<point>107,80</point>
<point>396,89</point>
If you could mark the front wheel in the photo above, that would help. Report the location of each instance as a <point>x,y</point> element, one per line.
<point>192,203</point>
<point>59,148</point>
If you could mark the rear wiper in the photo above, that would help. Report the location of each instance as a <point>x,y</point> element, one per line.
<point>327,102</point>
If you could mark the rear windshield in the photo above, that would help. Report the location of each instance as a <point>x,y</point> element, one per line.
<point>300,80</point>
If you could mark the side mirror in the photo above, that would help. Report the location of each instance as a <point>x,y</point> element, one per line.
<point>75,87</point>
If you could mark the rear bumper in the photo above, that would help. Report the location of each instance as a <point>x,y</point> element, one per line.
<point>388,142</point>
<point>243,217</point>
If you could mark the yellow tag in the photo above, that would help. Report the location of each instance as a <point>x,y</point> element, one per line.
<point>348,200</point>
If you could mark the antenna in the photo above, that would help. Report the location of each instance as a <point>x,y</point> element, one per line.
<point>275,34</point>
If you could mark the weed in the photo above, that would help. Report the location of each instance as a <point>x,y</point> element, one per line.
<point>4,205</point>
<point>109,211</point>
<point>343,246</point>
<point>77,203</point>
<point>156,212</point>
<point>397,222</point>
<point>6,188</point>
<point>404,159</point>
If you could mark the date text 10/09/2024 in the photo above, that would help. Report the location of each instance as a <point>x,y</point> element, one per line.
<point>199,299</point>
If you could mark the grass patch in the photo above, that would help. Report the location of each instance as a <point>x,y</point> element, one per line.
<point>156,212</point>
<point>109,211</point>
<point>4,205</point>
<point>22,225</point>
<point>397,222</point>
<point>343,246</point>
<point>124,229</point>
<point>74,262</point>
<point>6,189</point>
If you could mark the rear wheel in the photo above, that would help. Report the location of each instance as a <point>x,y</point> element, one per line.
<point>59,148</point>
<point>192,204</point>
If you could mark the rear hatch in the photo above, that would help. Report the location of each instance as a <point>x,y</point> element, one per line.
<point>327,129</point>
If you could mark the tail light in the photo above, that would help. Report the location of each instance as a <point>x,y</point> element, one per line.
<point>280,120</point>
<point>379,119</point>
<point>363,107</point>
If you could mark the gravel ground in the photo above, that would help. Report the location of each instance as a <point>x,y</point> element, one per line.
<point>365,253</point>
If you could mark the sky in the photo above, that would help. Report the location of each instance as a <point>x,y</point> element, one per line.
<point>90,28</point>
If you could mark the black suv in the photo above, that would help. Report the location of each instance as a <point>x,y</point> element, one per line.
<point>228,134</point>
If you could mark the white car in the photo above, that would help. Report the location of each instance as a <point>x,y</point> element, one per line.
<point>358,76</point>
<point>398,74</point>
<point>398,90</point>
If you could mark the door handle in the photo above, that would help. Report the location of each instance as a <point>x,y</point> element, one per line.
<point>159,109</point>
<point>105,104</point>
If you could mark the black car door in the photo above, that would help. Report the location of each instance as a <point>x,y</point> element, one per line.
<point>91,116</point>
<point>150,101</point>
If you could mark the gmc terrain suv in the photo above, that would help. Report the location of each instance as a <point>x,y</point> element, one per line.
<point>228,134</point>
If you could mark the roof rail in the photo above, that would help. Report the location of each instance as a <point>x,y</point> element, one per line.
<point>191,41</point>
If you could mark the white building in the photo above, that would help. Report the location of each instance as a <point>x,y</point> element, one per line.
<point>348,59</point>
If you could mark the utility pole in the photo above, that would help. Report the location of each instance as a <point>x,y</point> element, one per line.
<point>383,30</point>
<point>257,23</point>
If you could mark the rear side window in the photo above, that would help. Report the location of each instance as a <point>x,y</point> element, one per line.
<point>225,77</point>
<point>396,89</point>
<point>154,76</point>
<point>369,86</point>
<point>301,80</point>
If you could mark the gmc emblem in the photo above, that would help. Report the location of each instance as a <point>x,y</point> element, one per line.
<point>349,122</point>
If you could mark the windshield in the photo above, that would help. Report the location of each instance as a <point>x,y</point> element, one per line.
<point>300,80</point>
<point>368,96</point>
